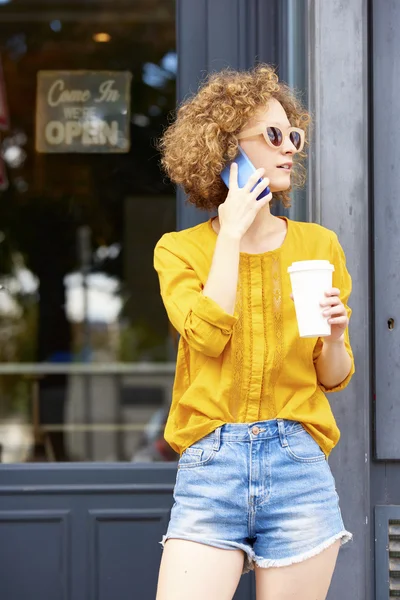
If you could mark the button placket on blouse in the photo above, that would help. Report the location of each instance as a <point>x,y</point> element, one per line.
<point>258,345</point>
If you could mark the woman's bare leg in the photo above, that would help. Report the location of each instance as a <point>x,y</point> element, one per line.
<point>308,580</point>
<point>192,571</point>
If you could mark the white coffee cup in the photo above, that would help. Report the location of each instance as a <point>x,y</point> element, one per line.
<point>310,280</point>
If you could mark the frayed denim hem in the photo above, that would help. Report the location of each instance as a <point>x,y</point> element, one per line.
<point>265,563</point>
<point>251,560</point>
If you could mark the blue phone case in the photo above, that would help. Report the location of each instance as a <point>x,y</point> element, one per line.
<point>245,169</point>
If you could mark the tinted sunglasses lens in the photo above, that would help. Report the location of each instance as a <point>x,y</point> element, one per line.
<point>275,136</point>
<point>295,138</point>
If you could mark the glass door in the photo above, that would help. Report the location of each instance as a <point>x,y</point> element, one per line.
<point>86,355</point>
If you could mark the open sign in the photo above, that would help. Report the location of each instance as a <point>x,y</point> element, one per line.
<point>83,111</point>
<point>88,134</point>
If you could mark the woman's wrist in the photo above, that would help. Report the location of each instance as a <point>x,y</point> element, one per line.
<point>338,342</point>
<point>333,364</point>
<point>230,234</point>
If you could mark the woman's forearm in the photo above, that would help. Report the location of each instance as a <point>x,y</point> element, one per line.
<point>333,364</point>
<point>222,280</point>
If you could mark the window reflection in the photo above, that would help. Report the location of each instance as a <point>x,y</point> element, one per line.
<point>77,232</point>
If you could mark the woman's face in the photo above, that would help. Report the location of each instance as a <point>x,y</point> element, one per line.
<point>277,162</point>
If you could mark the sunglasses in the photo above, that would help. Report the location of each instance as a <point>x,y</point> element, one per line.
<point>274,136</point>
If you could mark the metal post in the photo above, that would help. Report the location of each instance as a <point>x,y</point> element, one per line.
<point>85,259</point>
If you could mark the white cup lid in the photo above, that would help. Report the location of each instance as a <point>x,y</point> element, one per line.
<point>311,265</point>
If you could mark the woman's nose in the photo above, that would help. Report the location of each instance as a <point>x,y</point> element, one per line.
<point>287,146</point>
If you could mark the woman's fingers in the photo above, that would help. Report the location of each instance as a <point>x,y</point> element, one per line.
<point>263,201</point>
<point>260,187</point>
<point>335,310</point>
<point>338,321</point>
<point>331,301</point>
<point>252,180</point>
<point>233,176</point>
<point>332,292</point>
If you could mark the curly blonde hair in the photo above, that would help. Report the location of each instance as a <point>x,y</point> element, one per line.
<point>197,145</point>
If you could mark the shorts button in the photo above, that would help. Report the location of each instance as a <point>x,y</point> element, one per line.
<point>255,430</point>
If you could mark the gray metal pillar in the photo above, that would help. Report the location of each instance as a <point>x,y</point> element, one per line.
<point>338,199</point>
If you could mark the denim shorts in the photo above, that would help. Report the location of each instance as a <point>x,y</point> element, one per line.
<point>265,488</point>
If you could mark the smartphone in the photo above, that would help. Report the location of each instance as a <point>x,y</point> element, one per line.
<point>245,169</point>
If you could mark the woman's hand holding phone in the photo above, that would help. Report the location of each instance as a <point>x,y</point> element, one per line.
<point>241,206</point>
<point>236,215</point>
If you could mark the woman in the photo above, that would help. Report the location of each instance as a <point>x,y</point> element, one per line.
<point>249,415</point>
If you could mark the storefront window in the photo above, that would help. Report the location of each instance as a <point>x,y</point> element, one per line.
<point>86,354</point>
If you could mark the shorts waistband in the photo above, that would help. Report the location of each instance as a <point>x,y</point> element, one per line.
<point>258,430</point>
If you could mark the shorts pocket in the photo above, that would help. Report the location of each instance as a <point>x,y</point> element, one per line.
<point>301,447</point>
<point>199,454</point>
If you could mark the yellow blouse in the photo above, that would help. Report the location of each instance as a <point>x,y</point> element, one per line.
<point>252,365</point>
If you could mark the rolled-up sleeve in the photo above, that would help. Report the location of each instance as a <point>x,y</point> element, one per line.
<point>342,281</point>
<point>204,325</point>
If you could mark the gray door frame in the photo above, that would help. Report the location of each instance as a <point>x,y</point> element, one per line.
<point>339,199</point>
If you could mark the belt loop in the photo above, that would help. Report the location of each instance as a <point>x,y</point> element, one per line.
<point>282,433</point>
<point>217,439</point>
